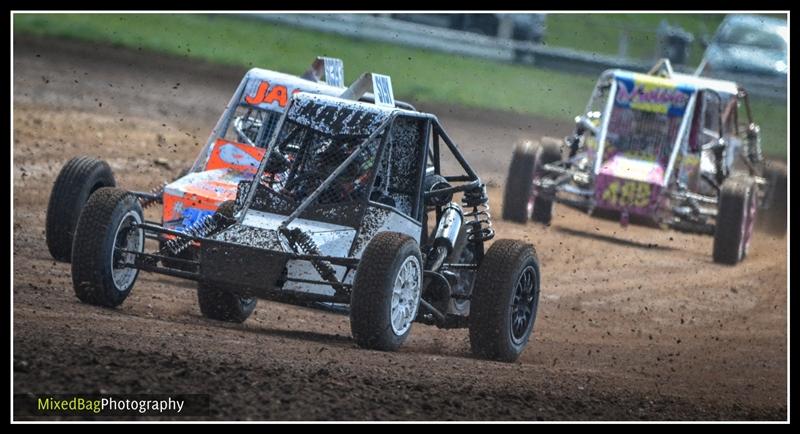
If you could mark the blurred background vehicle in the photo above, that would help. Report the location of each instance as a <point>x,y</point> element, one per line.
<point>674,43</point>
<point>519,27</point>
<point>749,44</point>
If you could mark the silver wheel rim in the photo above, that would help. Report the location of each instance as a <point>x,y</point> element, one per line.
<point>405,295</point>
<point>126,238</point>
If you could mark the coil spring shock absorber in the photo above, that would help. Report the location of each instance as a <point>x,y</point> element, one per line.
<point>154,196</point>
<point>481,226</point>
<point>303,242</point>
<point>200,228</point>
<point>754,143</point>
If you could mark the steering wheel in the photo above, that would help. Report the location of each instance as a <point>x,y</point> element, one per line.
<point>310,181</point>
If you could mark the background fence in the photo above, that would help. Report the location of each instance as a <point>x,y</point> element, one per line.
<point>592,61</point>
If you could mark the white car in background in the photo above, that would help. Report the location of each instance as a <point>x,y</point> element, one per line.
<point>749,44</point>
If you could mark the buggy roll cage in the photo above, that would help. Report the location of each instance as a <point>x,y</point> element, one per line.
<point>470,181</point>
<point>663,68</point>
<point>611,75</point>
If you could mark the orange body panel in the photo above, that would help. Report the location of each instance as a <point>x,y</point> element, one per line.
<point>199,193</point>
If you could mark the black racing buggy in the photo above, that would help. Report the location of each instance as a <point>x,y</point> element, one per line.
<point>349,210</point>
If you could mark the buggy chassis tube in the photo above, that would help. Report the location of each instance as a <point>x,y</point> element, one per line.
<point>438,276</point>
<point>147,196</point>
<point>163,230</point>
<point>335,260</point>
<point>146,262</point>
<point>454,149</point>
<point>439,315</point>
<point>143,265</point>
<point>463,187</point>
<point>433,273</point>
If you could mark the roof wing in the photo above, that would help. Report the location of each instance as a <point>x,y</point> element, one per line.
<point>662,68</point>
<point>379,84</point>
<point>329,67</point>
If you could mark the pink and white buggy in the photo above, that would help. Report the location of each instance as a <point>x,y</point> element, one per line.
<point>678,150</point>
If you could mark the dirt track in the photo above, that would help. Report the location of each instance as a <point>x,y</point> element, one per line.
<point>633,323</point>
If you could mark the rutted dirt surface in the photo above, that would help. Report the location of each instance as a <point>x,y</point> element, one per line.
<point>634,323</point>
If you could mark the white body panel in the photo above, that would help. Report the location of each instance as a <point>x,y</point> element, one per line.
<point>404,225</point>
<point>332,240</point>
<point>378,219</point>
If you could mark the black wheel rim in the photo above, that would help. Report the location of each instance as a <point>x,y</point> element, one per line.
<point>523,304</point>
<point>245,302</point>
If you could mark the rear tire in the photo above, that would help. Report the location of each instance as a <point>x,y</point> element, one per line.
<point>505,301</point>
<point>104,225</point>
<point>77,180</point>
<point>519,183</point>
<point>735,218</point>
<point>549,152</point>
<point>386,292</point>
<point>775,215</point>
<point>221,305</point>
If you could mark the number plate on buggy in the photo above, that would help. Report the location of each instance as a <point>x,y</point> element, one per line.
<point>625,194</point>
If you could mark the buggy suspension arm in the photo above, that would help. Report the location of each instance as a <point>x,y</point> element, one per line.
<point>433,274</point>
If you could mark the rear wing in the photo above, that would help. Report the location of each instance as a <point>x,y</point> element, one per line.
<point>662,68</point>
<point>379,84</point>
<point>329,67</point>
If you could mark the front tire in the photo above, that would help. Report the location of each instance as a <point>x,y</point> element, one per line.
<point>505,301</point>
<point>106,224</point>
<point>735,218</point>
<point>221,305</point>
<point>386,292</point>
<point>77,180</point>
